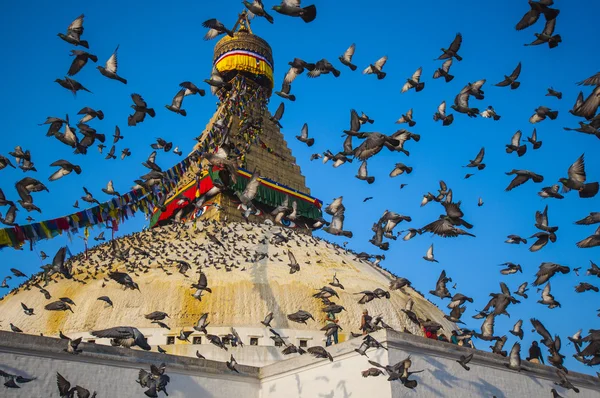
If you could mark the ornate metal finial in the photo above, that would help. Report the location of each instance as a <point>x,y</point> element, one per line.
<point>243,23</point>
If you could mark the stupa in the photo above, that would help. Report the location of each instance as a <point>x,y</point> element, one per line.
<point>245,262</point>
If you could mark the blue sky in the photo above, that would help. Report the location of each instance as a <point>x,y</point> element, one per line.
<point>161,46</point>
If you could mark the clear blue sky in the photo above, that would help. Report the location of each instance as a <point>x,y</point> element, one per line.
<point>161,45</point>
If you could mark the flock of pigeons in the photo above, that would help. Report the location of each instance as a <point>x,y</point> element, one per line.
<point>451,224</point>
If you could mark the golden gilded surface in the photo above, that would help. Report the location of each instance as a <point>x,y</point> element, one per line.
<point>239,298</point>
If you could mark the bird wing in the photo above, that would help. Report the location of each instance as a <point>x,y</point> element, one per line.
<point>516,72</point>
<point>520,179</point>
<point>590,106</point>
<point>462,99</point>
<point>455,46</point>
<point>178,99</point>
<point>480,155</point>
<point>430,251</point>
<point>111,64</point>
<point>202,281</point>
<point>252,187</point>
<point>63,384</point>
<point>417,75</point>
<point>362,170</point>
<point>279,112</point>
<point>528,19</point>
<point>446,65</point>
<point>138,100</point>
<point>77,24</point>
<point>540,329</point>
<point>442,108</point>
<point>119,332</point>
<point>304,131</point>
<point>354,121</point>
<point>591,81</point>
<point>516,138</point>
<point>577,170</point>
<point>292,258</point>
<point>290,75</point>
<point>349,53</point>
<point>380,62</point>
<point>542,217</point>
<point>487,328</point>
<point>546,296</point>
<point>549,27</point>
<point>337,221</point>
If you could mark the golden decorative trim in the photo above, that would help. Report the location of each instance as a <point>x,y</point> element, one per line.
<point>243,40</point>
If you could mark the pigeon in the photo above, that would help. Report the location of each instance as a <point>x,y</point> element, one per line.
<point>192,89</point>
<point>554,93</point>
<point>106,299</point>
<point>511,268</point>
<point>65,168</point>
<point>547,298</point>
<point>124,336</point>
<point>216,82</point>
<point>363,174</point>
<point>414,82</point>
<point>407,118</point>
<point>267,321</point>
<point>517,330</point>
<point>521,177</point>
<point>515,146</point>
<point>534,141</point>
<point>278,115</point>
<point>28,311</point>
<point>231,364</point>
<point>256,7</point>
<point>429,255</point>
<point>464,360</point>
<point>551,192</point>
<point>515,239</point>
<point>444,71</point>
<point>323,67</point>
<point>74,32</point>
<point>141,109</point>
<point>399,169</point>
<point>441,115</point>
<point>547,35</point>
<point>109,190</point>
<point>548,270</point>
<point>521,290</point>
<point>72,85</point>
<point>297,67</point>
<point>285,92</point>
<point>453,50</point>
<point>303,137</point>
<point>319,352</point>
<point>512,79</point>
<point>376,68</point>
<point>81,59</point>
<point>541,113</point>
<point>585,287</point>
<point>176,103</point>
<point>292,8</point>
<point>110,68</point>
<point>577,180</point>
<point>346,58</point>
<point>215,28</point>
<point>490,112</point>
<point>477,162</point>
<point>461,103</point>
<point>184,335</point>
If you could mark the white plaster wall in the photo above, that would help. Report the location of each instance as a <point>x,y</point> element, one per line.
<point>112,380</point>
<point>325,379</point>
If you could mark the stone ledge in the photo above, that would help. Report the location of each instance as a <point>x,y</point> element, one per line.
<point>426,347</point>
<point>42,346</point>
